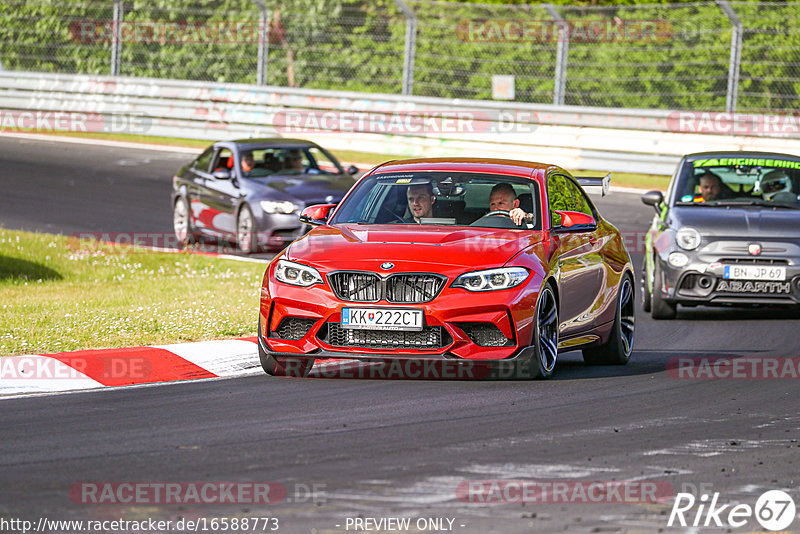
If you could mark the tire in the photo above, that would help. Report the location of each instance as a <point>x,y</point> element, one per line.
<point>617,350</point>
<point>661,308</point>
<point>295,367</point>
<point>543,360</point>
<point>646,297</point>
<point>246,233</point>
<point>182,223</point>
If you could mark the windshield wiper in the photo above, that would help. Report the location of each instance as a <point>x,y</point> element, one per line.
<point>751,202</point>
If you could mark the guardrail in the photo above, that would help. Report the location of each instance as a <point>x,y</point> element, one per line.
<point>618,140</point>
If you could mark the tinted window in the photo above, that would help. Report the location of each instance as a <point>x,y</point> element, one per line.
<point>723,180</point>
<point>452,198</point>
<point>204,161</point>
<point>560,197</point>
<point>581,202</point>
<point>223,160</point>
<point>266,161</point>
<point>290,160</point>
<point>322,162</point>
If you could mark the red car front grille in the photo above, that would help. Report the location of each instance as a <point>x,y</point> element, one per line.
<point>356,286</point>
<point>405,288</point>
<point>292,328</point>
<point>430,337</point>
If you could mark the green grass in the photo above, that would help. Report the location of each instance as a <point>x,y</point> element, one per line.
<point>622,179</point>
<point>60,294</point>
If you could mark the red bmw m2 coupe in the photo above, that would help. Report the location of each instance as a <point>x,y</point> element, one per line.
<point>466,261</point>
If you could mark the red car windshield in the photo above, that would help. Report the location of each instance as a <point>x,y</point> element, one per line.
<point>441,198</point>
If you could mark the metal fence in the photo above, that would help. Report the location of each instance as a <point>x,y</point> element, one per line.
<point>742,56</point>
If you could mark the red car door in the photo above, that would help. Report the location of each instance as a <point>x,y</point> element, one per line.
<point>581,273</point>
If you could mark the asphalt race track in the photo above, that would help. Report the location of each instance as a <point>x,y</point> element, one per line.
<point>374,449</point>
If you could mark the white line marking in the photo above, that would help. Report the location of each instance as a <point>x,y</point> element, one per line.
<point>40,374</point>
<point>223,357</point>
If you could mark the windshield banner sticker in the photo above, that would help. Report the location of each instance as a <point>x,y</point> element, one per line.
<point>752,162</point>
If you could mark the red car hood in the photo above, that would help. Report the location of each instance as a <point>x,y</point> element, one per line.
<point>410,248</point>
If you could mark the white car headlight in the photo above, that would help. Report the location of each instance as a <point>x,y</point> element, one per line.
<point>688,238</point>
<point>492,279</point>
<point>296,274</point>
<point>273,206</point>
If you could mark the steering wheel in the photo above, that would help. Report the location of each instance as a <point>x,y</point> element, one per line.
<point>393,214</point>
<point>507,213</point>
<point>490,221</point>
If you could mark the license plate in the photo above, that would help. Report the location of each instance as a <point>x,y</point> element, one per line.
<point>382,318</point>
<point>754,272</point>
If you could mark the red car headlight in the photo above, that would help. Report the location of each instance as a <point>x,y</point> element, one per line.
<point>492,279</point>
<point>296,274</point>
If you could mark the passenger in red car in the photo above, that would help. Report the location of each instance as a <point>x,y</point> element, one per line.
<point>420,201</point>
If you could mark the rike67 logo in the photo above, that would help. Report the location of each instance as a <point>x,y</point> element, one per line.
<point>774,510</point>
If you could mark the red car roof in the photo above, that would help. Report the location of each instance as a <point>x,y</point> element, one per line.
<point>485,165</point>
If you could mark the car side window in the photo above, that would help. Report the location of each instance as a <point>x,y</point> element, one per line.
<point>559,197</point>
<point>204,161</point>
<point>223,160</point>
<point>320,162</point>
<point>582,203</point>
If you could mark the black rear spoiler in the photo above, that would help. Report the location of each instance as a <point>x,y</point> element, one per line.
<point>603,182</point>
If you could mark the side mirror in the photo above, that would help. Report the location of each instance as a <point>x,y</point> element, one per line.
<point>575,220</point>
<point>316,215</point>
<point>222,174</point>
<point>352,169</point>
<point>653,198</point>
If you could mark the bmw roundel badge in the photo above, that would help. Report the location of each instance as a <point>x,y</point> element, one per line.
<point>388,265</point>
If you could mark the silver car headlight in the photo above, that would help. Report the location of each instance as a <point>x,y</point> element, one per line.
<point>678,259</point>
<point>296,274</point>
<point>492,279</point>
<point>274,206</point>
<point>688,238</point>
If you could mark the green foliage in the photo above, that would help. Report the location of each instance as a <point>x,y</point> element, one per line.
<point>358,45</point>
<point>59,293</point>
